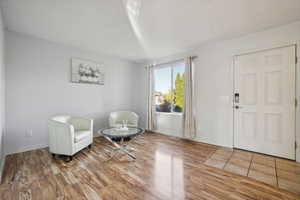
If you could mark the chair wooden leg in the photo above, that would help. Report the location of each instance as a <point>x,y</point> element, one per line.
<point>70,158</point>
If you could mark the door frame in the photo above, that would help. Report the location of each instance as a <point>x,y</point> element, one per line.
<point>297,92</point>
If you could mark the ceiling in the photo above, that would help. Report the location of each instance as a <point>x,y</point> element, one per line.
<point>144,29</point>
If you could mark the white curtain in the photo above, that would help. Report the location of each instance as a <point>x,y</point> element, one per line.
<point>151,110</point>
<point>189,122</point>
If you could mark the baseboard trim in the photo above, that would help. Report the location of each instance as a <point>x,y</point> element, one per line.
<point>197,139</point>
<point>212,143</point>
<point>2,164</point>
<point>32,147</point>
<point>40,146</point>
<point>28,148</point>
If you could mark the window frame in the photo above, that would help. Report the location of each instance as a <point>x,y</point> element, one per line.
<point>172,66</point>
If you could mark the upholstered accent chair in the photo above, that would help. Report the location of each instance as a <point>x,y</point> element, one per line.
<point>68,135</point>
<point>116,119</point>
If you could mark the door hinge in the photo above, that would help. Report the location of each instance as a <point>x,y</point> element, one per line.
<point>296,102</point>
<point>296,60</point>
<point>296,145</point>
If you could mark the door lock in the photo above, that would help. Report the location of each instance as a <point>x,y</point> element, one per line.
<point>237,98</point>
<point>237,107</point>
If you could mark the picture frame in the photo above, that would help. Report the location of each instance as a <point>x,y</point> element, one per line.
<point>86,72</point>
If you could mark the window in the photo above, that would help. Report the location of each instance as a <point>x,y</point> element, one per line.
<point>169,86</point>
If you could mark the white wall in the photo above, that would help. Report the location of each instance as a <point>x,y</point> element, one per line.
<point>2,94</point>
<point>169,123</point>
<point>139,94</point>
<point>214,82</point>
<point>38,87</point>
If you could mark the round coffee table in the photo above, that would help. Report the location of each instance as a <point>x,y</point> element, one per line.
<point>116,134</point>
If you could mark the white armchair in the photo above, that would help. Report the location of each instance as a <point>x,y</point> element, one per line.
<point>68,135</point>
<point>116,119</point>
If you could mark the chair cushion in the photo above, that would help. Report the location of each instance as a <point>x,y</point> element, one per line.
<point>81,135</point>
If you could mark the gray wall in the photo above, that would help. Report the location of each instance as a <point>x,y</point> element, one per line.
<point>38,87</point>
<point>215,80</point>
<point>214,83</point>
<point>139,94</point>
<point>2,92</point>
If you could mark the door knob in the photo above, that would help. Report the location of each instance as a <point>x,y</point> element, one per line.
<point>237,107</point>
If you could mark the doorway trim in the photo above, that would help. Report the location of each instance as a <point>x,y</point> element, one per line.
<point>297,92</point>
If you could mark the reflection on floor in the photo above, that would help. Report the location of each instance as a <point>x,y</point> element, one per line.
<point>279,172</point>
<point>166,168</point>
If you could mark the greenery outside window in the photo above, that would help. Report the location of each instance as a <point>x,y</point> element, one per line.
<point>169,87</point>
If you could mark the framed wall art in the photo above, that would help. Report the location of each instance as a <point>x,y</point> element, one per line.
<point>86,71</point>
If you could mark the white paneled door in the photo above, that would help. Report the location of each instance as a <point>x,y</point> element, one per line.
<point>264,102</point>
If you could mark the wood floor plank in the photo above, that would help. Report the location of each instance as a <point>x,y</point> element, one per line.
<point>166,168</point>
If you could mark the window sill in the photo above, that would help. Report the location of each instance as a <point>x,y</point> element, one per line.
<point>170,113</point>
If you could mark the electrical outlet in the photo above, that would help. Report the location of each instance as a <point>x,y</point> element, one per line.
<point>29,133</point>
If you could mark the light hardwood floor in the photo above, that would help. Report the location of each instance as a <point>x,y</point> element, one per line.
<point>166,168</point>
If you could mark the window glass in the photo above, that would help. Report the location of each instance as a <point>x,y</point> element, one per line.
<point>163,88</point>
<point>169,87</point>
<point>178,87</point>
